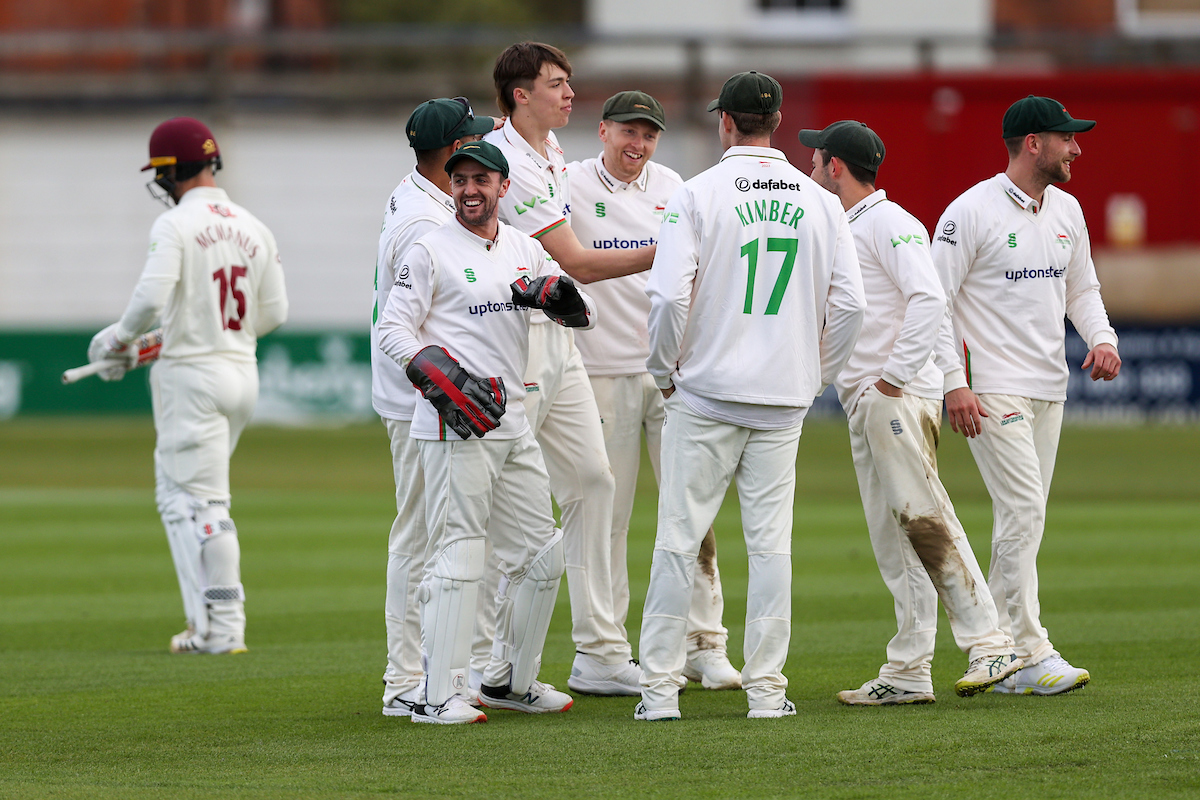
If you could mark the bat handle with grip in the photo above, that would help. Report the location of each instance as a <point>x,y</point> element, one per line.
<point>79,373</point>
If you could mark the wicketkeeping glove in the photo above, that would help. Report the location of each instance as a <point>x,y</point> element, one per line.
<point>469,405</point>
<point>105,347</point>
<point>556,295</point>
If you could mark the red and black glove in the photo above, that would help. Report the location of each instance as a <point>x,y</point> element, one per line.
<point>468,404</point>
<point>556,295</point>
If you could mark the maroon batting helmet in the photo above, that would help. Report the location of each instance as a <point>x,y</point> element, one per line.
<point>181,140</point>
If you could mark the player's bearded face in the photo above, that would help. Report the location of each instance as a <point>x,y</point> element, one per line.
<point>820,172</point>
<point>628,146</point>
<point>1057,152</point>
<point>476,191</point>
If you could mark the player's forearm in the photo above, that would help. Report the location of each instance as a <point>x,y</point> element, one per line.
<point>398,325</point>
<point>271,314</point>
<point>945,355</point>
<point>145,307</point>
<point>917,337</point>
<point>398,340</point>
<point>589,266</point>
<point>666,325</point>
<point>845,307</point>
<point>837,342</point>
<point>1085,307</point>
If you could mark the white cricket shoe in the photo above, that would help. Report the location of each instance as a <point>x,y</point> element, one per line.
<point>1051,675</point>
<point>212,644</point>
<point>641,712</point>
<point>542,698</point>
<point>788,709</point>
<point>455,711</point>
<point>878,692</point>
<point>986,671</point>
<point>589,676</point>
<point>712,670</point>
<point>402,704</point>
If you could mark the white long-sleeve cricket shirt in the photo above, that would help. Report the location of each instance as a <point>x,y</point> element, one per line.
<point>213,276</point>
<point>1012,269</point>
<point>415,208</point>
<point>905,303</point>
<point>755,292</point>
<point>452,290</point>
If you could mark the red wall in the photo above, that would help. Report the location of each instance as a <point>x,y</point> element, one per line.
<point>942,135</point>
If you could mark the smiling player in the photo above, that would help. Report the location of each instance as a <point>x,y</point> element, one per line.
<point>533,89</point>
<point>1014,258</point>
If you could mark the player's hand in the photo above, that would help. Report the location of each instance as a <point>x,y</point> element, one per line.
<point>1104,361</point>
<point>964,410</point>
<point>667,392</point>
<point>105,347</point>
<point>891,390</point>
<point>498,123</point>
<point>469,405</point>
<point>556,295</point>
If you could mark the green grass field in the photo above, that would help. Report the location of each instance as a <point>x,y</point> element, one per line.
<point>92,705</point>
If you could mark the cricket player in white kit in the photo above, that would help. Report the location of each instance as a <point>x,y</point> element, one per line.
<point>461,293</point>
<point>214,278</point>
<point>533,90</point>
<point>756,302</point>
<point>418,205</point>
<point>892,394</point>
<point>1014,257</point>
<point>619,198</point>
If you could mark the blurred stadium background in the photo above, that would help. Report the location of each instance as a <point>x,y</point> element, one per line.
<point>308,99</point>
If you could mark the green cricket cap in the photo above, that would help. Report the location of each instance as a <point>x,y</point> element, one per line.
<point>485,153</point>
<point>437,123</point>
<point>849,140</point>
<point>1037,114</point>
<point>631,105</point>
<point>749,93</point>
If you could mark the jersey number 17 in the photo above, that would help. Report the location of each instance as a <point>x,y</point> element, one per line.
<point>750,251</point>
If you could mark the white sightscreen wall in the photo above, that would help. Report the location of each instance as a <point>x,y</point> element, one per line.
<point>746,17</point>
<point>75,216</point>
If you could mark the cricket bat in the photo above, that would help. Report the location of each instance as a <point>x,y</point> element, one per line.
<point>148,345</point>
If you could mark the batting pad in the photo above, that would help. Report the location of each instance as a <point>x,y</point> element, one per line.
<point>523,617</point>
<point>449,594</point>
<point>175,506</point>
<point>220,562</point>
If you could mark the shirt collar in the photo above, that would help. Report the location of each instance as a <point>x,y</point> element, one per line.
<point>1019,197</point>
<point>755,152</point>
<point>515,139</point>
<point>612,183</point>
<point>873,199</point>
<point>476,239</point>
<point>204,194</point>
<point>430,188</point>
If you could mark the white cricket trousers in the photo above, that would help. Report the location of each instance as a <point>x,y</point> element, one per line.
<point>630,406</point>
<point>1015,454</point>
<point>562,412</point>
<point>489,489</point>
<point>700,457</point>
<point>406,562</point>
<point>201,406</point>
<point>920,546</point>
